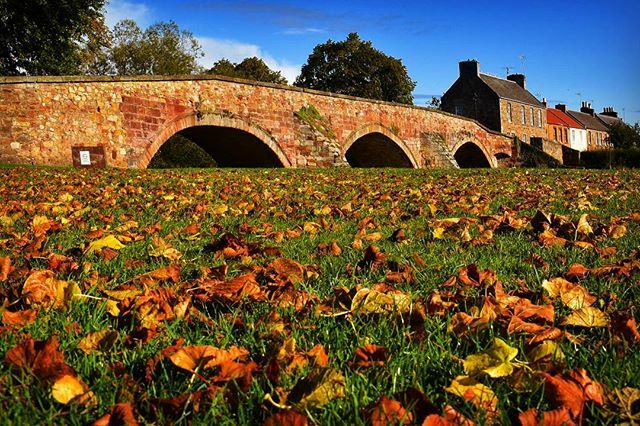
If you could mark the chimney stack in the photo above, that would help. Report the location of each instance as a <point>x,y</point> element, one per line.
<point>561,107</point>
<point>609,111</point>
<point>519,79</point>
<point>544,102</point>
<point>586,108</point>
<point>469,68</point>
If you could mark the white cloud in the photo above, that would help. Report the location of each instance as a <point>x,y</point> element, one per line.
<point>300,31</point>
<point>117,10</point>
<point>216,49</point>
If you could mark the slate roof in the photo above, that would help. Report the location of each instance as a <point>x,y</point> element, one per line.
<point>559,118</point>
<point>608,120</point>
<point>589,121</point>
<point>508,89</point>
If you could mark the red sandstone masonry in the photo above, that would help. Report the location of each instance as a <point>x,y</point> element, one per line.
<point>41,118</point>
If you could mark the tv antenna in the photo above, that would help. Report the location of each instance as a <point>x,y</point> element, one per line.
<point>523,58</point>
<point>508,68</point>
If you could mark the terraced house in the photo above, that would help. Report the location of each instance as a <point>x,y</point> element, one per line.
<point>597,131</point>
<point>502,105</point>
<point>564,129</point>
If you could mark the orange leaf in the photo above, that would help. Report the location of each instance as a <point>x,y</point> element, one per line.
<point>389,412</point>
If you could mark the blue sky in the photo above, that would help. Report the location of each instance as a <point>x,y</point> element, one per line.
<point>570,50</point>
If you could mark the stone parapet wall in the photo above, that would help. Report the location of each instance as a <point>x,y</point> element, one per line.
<point>42,118</point>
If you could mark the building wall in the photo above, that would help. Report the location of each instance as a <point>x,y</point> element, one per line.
<point>578,139</point>
<point>559,133</point>
<point>470,97</point>
<point>42,118</point>
<point>597,140</point>
<point>515,127</point>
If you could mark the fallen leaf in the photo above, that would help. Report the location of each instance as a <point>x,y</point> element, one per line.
<point>586,317</point>
<point>99,341</point>
<point>287,418</point>
<point>389,412</point>
<point>370,356</point>
<point>120,414</point>
<point>475,392</point>
<point>109,242</point>
<point>318,388</point>
<point>69,389</point>
<point>191,358</point>
<point>494,361</point>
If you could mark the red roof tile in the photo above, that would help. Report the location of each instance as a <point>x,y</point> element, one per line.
<point>559,118</point>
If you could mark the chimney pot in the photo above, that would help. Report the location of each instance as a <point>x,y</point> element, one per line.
<point>469,68</point>
<point>519,79</point>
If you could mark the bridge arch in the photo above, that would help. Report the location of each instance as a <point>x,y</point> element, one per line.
<point>470,154</point>
<point>266,146</point>
<point>374,145</point>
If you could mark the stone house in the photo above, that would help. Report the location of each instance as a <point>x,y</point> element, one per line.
<point>502,105</point>
<point>564,129</point>
<point>597,132</point>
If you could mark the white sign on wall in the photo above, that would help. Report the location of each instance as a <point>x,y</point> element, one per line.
<point>85,158</point>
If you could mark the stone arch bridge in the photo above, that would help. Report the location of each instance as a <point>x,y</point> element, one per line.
<point>240,123</point>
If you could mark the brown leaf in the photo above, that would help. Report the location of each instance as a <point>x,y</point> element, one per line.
<point>5,267</point>
<point>99,341</point>
<point>287,418</point>
<point>571,390</point>
<point>370,356</point>
<point>120,414</point>
<point>69,388</point>
<point>41,357</point>
<point>19,318</point>
<point>191,358</point>
<point>42,289</point>
<point>236,371</point>
<point>389,412</point>
<point>624,325</point>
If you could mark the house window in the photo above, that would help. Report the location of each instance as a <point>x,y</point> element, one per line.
<point>509,114</point>
<point>524,116</point>
<point>533,118</point>
<point>539,118</point>
<point>566,136</point>
<point>555,133</point>
<point>524,136</point>
<point>589,138</point>
<point>573,135</point>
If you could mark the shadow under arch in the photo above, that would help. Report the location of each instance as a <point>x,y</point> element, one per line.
<point>374,145</point>
<point>231,141</point>
<point>470,155</point>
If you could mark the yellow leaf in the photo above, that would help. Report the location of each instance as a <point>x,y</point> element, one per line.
<point>320,388</point>
<point>546,351</point>
<point>586,317</point>
<point>438,233</point>
<point>471,390</point>
<point>374,236</point>
<point>574,296</point>
<point>618,232</point>
<point>109,241</point>
<point>160,248</point>
<point>219,209</point>
<point>495,361</point>
<point>99,341</point>
<point>42,289</point>
<point>68,389</point>
<point>583,226</point>
<point>369,301</point>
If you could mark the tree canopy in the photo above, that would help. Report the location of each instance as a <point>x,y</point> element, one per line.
<point>354,67</point>
<point>250,68</point>
<point>161,49</point>
<point>50,37</point>
<point>624,135</point>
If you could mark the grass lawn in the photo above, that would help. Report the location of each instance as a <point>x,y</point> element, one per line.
<point>322,296</point>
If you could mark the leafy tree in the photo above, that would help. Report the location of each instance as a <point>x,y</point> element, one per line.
<point>161,49</point>
<point>250,68</point>
<point>49,37</point>
<point>624,135</point>
<point>435,102</point>
<point>180,152</point>
<point>354,67</point>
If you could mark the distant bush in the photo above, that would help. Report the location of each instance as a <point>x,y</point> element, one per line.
<point>615,158</point>
<point>180,152</point>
